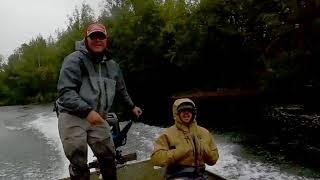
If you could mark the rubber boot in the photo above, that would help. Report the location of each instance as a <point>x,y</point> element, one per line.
<point>108,168</point>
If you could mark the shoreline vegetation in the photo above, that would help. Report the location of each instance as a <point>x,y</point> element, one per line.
<point>270,46</point>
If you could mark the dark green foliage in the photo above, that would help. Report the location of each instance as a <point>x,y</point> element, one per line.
<point>272,45</point>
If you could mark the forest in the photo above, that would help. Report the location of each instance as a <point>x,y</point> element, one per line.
<point>169,46</point>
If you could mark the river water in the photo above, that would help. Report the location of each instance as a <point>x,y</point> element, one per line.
<point>30,148</point>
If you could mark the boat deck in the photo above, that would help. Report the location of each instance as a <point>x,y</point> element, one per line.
<point>143,170</point>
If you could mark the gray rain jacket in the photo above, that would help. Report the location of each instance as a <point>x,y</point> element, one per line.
<point>89,83</point>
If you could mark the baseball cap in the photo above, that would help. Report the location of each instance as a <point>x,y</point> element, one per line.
<point>96,27</point>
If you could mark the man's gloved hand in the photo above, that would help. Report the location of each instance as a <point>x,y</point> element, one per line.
<point>182,150</point>
<point>94,118</point>
<point>137,111</point>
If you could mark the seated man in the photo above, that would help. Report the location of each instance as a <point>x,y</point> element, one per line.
<point>185,147</point>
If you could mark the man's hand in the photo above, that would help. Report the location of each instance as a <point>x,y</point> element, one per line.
<point>137,111</point>
<point>182,150</point>
<point>94,118</point>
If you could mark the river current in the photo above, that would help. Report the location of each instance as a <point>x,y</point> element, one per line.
<point>30,148</point>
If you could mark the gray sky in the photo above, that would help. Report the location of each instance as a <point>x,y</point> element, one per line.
<point>22,20</point>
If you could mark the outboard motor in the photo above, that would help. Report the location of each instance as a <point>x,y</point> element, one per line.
<point>119,138</point>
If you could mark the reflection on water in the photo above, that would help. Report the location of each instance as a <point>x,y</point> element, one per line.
<point>33,150</point>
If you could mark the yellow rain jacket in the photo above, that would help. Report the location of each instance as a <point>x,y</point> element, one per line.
<point>184,145</point>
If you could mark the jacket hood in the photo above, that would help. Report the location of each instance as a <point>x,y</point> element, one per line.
<point>81,46</point>
<point>177,119</point>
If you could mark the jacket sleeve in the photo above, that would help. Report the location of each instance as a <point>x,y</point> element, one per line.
<point>69,84</point>
<point>162,155</point>
<point>122,91</point>
<point>211,154</point>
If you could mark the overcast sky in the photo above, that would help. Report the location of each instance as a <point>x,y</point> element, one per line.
<point>22,20</point>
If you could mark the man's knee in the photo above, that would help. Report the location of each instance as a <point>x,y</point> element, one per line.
<point>79,172</point>
<point>77,155</point>
<point>103,148</point>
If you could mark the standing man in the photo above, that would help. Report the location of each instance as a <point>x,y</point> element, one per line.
<point>185,147</point>
<point>87,84</point>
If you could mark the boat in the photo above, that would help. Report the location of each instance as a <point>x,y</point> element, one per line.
<point>127,166</point>
<point>143,170</point>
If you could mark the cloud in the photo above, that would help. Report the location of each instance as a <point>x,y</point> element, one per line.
<point>23,20</point>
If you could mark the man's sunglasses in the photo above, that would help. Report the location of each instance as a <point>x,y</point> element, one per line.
<point>186,110</point>
<point>97,35</point>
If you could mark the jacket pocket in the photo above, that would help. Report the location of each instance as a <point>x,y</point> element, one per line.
<point>87,91</point>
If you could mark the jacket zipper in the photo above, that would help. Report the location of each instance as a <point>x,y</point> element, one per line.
<point>100,87</point>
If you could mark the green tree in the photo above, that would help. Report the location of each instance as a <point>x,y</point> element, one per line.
<point>250,43</point>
